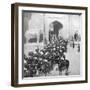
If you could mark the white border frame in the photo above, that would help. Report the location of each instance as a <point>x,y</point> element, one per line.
<point>57,78</point>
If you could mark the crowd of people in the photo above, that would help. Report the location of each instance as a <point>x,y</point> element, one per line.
<point>41,62</point>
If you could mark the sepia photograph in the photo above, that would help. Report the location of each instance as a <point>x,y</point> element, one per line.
<point>50,44</point>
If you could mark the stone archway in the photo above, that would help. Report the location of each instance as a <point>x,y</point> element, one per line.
<point>54,29</point>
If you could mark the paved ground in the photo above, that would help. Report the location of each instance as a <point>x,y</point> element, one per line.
<point>74,57</point>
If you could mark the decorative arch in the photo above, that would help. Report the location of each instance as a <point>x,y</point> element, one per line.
<point>55,26</point>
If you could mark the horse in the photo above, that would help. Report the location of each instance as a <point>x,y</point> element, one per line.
<point>63,65</point>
